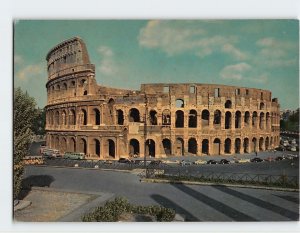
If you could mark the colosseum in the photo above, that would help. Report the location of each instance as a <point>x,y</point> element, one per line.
<point>159,120</point>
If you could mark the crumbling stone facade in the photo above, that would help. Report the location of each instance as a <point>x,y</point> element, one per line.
<point>160,120</point>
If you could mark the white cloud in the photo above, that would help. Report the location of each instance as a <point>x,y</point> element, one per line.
<point>275,53</point>
<point>175,37</point>
<point>235,72</point>
<point>29,71</point>
<point>107,64</point>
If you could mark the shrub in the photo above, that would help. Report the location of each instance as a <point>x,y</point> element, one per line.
<point>112,210</point>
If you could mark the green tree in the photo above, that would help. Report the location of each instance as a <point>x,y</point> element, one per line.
<point>24,113</point>
<point>39,122</point>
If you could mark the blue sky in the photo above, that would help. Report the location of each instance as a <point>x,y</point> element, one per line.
<point>253,53</point>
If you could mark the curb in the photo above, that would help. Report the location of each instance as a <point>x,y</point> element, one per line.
<point>217,184</point>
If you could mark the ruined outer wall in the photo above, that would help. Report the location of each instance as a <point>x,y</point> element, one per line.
<point>181,119</point>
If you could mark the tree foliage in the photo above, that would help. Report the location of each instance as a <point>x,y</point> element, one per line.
<point>24,113</point>
<point>39,122</point>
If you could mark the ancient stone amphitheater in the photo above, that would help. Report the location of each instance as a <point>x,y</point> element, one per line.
<point>159,120</point>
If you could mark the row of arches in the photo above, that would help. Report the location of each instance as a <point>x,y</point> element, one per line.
<point>230,120</point>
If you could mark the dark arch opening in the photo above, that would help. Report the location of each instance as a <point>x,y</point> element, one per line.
<point>254,141</point>
<point>153,117</point>
<point>237,145</point>
<point>179,123</point>
<point>84,117</point>
<point>150,148</point>
<point>261,143</point>
<point>193,119</point>
<point>111,148</point>
<point>228,104</point>
<point>246,145</point>
<point>192,146</point>
<point>166,117</point>
<point>217,146</point>
<point>205,146</point>
<point>227,120</point>
<point>120,116</point>
<point>217,117</point>
<point>134,115</point>
<point>227,148</point>
<point>247,119</point>
<point>134,147</point>
<point>238,119</point>
<point>167,146</point>
<point>97,116</point>
<point>205,118</point>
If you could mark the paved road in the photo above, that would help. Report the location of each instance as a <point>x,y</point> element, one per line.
<point>196,203</point>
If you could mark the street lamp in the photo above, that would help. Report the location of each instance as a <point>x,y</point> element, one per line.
<point>145,130</point>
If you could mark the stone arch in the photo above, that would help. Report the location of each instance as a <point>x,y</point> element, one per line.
<point>261,144</point>
<point>246,145</point>
<point>261,120</point>
<point>65,86</point>
<point>83,116</point>
<point>205,118</point>
<point>63,146</point>
<point>216,146</point>
<point>150,147</point>
<point>72,117</point>
<point>192,146</point>
<point>227,120</point>
<point>111,148</point>
<point>97,147</point>
<point>134,147</point>
<point>193,119</point>
<point>82,146</point>
<point>179,121</point>
<point>120,117</point>
<point>228,104</point>
<point>167,146</point>
<point>57,118</point>
<point>254,119</point>
<point>134,115</point>
<point>237,146</point>
<point>217,117</point>
<point>238,119</point>
<point>179,103</point>
<point>261,106</point>
<point>267,143</point>
<point>64,117</point>
<point>254,144</point>
<point>205,146</point>
<point>56,143</point>
<point>247,119</point>
<point>72,145</point>
<point>179,147</point>
<point>166,117</point>
<point>268,121</point>
<point>227,146</point>
<point>96,116</point>
<point>153,117</point>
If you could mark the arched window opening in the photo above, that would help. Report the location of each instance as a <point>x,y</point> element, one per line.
<point>217,146</point>
<point>205,118</point>
<point>64,118</point>
<point>166,117</point>
<point>247,119</point>
<point>57,118</point>
<point>97,117</point>
<point>134,148</point>
<point>179,123</point>
<point>167,146</point>
<point>228,104</point>
<point>217,117</point>
<point>227,120</point>
<point>238,119</point>
<point>193,119</point>
<point>268,120</point>
<point>267,143</point>
<point>246,145</point>
<point>150,148</point>
<point>261,120</point>
<point>65,86</point>
<point>72,145</point>
<point>82,146</point>
<point>83,116</point>
<point>85,93</point>
<point>227,147</point>
<point>153,117</point>
<point>111,148</point>
<point>192,146</point>
<point>179,147</point>
<point>254,119</point>
<point>261,144</point>
<point>134,115</point>
<point>237,145</point>
<point>72,117</point>
<point>261,106</point>
<point>97,147</point>
<point>205,146</point>
<point>120,117</point>
<point>179,103</point>
<point>63,146</point>
<point>254,142</point>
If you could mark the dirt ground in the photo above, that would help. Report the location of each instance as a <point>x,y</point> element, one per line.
<point>49,206</point>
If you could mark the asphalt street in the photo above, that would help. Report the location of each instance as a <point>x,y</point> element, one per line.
<point>194,202</point>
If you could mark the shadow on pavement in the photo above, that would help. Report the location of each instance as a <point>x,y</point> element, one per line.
<point>165,202</point>
<point>260,203</point>
<point>288,198</point>
<point>37,181</point>
<point>217,205</point>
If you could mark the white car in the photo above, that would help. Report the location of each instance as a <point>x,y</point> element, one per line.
<point>199,161</point>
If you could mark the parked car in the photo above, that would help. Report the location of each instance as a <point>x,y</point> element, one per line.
<point>124,160</point>
<point>107,161</point>
<point>256,160</point>
<point>199,161</point>
<point>244,161</point>
<point>224,161</point>
<point>211,161</point>
<point>155,162</point>
<point>185,163</point>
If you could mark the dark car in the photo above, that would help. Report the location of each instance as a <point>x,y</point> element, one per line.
<point>155,162</point>
<point>279,158</point>
<point>224,161</point>
<point>124,160</point>
<point>211,161</point>
<point>256,160</point>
